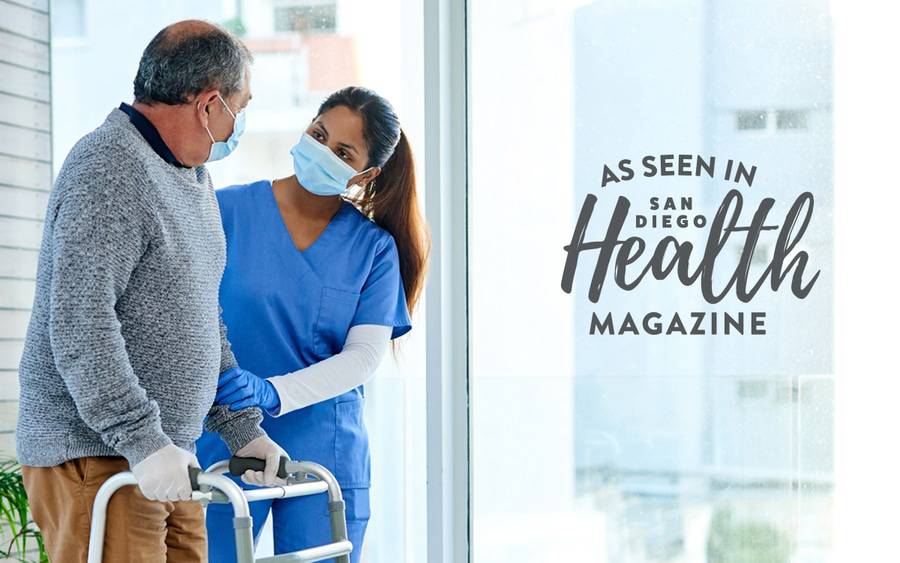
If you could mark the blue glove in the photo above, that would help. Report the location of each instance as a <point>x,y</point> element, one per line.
<point>240,389</point>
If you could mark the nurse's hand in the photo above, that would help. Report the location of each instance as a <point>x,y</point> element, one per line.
<point>263,448</point>
<point>240,389</point>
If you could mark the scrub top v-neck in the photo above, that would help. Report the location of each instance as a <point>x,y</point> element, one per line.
<point>286,309</point>
<point>325,232</point>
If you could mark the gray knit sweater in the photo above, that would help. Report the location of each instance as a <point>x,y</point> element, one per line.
<point>125,343</point>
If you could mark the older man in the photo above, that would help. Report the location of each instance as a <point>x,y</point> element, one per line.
<point>125,344</point>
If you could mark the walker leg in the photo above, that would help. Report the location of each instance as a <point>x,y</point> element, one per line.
<point>336,505</point>
<point>98,517</point>
<point>339,526</point>
<point>243,538</point>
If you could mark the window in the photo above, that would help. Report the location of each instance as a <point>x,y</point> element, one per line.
<point>639,447</point>
<point>790,119</point>
<point>768,120</point>
<point>291,78</point>
<point>307,18</point>
<point>751,389</point>
<point>752,119</point>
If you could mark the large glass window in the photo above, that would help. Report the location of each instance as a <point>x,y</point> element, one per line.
<point>303,51</point>
<point>637,446</point>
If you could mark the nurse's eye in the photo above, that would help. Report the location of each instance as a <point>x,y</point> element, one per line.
<point>317,135</point>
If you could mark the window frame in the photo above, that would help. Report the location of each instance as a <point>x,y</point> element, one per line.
<point>446,301</point>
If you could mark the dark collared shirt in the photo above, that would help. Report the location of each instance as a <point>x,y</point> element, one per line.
<point>151,135</point>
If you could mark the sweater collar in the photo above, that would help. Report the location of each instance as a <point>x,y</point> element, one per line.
<point>150,134</point>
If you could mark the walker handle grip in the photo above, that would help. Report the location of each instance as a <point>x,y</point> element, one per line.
<point>238,465</point>
<point>193,472</point>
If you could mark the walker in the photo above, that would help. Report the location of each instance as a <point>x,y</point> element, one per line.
<point>304,478</point>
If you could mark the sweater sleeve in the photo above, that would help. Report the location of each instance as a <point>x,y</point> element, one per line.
<point>352,366</point>
<point>228,361</point>
<point>98,239</point>
<point>236,428</point>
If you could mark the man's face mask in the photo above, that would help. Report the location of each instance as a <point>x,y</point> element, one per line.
<point>221,149</point>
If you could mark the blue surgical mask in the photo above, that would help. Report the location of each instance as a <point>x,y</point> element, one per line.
<point>318,169</point>
<point>221,149</point>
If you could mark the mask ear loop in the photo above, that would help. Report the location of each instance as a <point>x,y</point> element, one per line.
<point>211,138</point>
<point>228,109</point>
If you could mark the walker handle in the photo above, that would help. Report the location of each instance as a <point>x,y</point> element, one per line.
<point>193,471</point>
<point>238,465</point>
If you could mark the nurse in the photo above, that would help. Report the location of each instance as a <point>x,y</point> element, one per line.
<point>323,269</point>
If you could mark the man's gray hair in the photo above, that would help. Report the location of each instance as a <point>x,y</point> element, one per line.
<point>179,64</point>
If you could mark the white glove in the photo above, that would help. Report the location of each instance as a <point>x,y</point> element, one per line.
<point>163,475</point>
<point>263,448</point>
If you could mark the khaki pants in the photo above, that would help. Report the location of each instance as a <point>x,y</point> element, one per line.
<point>137,530</point>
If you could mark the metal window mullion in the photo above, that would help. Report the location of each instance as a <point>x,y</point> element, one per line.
<point>446,301</point>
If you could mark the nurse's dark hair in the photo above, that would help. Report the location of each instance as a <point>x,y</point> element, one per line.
<point>187,58</point>
<point>390,199</point>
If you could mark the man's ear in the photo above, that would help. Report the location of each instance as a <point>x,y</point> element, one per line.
<point>202,102</point>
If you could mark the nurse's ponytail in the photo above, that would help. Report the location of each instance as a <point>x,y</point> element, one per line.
<point>391,199</point>
<point>392,202</point>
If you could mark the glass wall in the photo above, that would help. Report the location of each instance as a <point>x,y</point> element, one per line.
<point>651,444</point>
<point>303,50</point>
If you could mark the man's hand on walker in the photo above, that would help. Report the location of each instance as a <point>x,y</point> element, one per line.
<point>263,448</point>
<point>163,475</point>
<point>240,389</point>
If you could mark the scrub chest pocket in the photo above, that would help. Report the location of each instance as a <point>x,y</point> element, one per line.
<point>336,310</point>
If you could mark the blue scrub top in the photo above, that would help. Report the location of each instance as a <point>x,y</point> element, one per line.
<point>286,309</point>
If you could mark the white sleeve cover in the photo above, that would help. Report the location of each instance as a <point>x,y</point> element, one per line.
<point>352,366</point>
